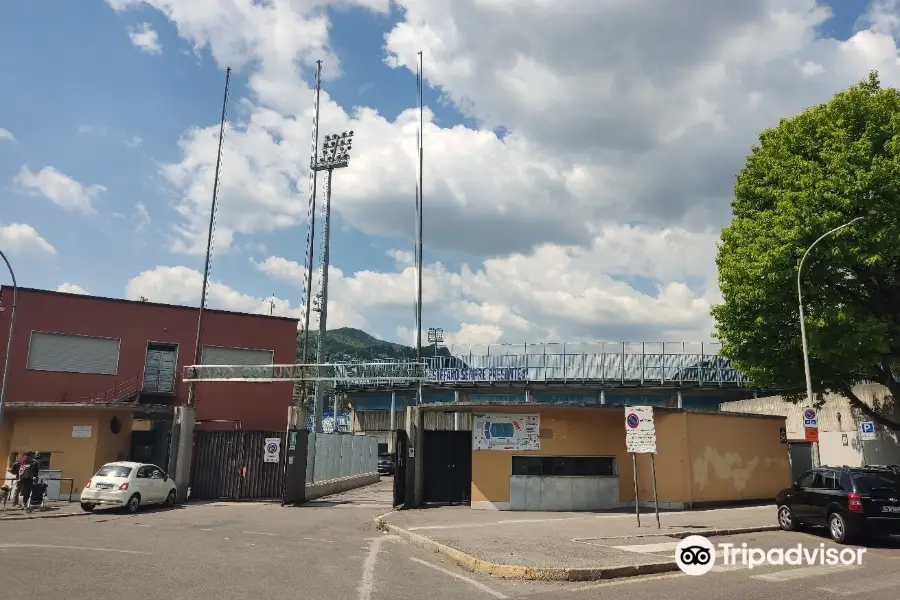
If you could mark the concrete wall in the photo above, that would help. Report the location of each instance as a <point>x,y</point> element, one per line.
<point>340,455</point>
<point>839,442</point>
<point>50,431</point>
<point>336,486</point>
<point>734,457</point>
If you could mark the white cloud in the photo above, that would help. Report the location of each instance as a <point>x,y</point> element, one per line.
<point>648,127</point>
<point>183,285</point>
<point>6,134</point>
<point>134,141</point>
<point>71,288</point>
<point>145,37</point>
<point>18,238</point>
<point>141,217</point>
<point>59,188</point>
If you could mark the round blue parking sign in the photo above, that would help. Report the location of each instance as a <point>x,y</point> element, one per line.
<point>633,420</point>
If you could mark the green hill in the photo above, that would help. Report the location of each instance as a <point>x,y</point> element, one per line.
<point>348,343</point>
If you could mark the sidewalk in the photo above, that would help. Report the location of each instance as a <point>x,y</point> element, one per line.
<point>53,509</point>
<point>564,546</point>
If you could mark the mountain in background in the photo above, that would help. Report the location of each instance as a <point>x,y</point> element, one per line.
<point>347,343</point>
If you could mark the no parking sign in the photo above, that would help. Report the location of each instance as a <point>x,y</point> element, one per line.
<point>273,450</point>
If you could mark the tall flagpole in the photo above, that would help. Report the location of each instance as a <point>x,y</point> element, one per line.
<point>209,238</point>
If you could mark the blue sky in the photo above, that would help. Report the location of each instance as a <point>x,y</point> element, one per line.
<point>79,96</point>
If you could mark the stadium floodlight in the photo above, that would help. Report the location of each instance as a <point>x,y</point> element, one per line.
<point>435,337</point>
<point>335,152</point>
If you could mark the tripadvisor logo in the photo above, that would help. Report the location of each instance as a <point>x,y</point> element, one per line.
<point>696,555</point>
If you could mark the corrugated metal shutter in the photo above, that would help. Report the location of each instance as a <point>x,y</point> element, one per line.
<point>220,355</point>
<point>73,353</point>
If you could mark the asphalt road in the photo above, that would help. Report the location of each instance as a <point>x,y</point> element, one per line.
<point>330,549</point>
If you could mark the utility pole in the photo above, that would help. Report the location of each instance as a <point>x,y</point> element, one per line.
<point>9,338</point>
<point>420,84</point>
<point>335,155</point>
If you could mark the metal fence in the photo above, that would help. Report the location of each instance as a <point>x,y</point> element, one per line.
<point>338,455</point>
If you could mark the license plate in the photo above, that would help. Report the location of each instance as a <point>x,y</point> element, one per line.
<point>103,486</point>
<point>890,509</point>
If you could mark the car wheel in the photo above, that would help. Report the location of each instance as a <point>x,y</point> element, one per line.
<point>87,507</point>
<point>134,503</point>
<point>170,499</point>
<point>786,518</point>
<point>838,528</point>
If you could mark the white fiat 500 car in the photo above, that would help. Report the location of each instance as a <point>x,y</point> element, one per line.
<point>128,484</point>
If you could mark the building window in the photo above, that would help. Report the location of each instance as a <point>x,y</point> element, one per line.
<point>42,458</point>
<point>564,466</point>
<point>222,355</point>
<point>73,353</point>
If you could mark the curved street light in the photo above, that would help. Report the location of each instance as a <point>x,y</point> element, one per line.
<point>809,392</point>
<point>12,323</point>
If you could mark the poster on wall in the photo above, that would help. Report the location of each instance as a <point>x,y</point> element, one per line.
<point>501,431</point>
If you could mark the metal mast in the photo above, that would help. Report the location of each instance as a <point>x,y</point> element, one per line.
<point>310,230</point>
<point>210,234</point>
<point>420,83</point>
<point>335,155</point>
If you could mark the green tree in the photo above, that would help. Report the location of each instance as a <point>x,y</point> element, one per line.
<point>813,172</point>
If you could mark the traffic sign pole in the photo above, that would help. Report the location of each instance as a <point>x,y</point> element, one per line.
<point>655,495</point>
<point>637,499</point>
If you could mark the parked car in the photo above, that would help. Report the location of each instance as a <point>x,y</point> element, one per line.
<point>386,464</point>
<point>130,485</point>
<point>851,501</point>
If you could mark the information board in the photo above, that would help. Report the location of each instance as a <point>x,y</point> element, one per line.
<point>640,430</point>
<point>502,431</point>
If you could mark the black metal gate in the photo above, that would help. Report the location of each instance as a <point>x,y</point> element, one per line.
<point>230,465</point>
<point>401,453</point>
<point>447,461</point>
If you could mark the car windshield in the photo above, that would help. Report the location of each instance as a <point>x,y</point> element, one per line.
<point>114,471</point>
<point>867,482</point>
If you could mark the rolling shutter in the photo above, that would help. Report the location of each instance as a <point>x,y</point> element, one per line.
<point>220,355</point>
<point>73,353</point>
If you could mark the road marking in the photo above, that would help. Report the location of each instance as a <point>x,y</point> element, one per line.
<point>862,587</point>
<point>318,540</point>
<point>52,547</point>
<point>468,580</point>
<point>627,581</point>
<point>367,582</point>
<point>260,533</point>
<point>803,572</point>
<point>206,529</point>
<point>726,568</point>
<point>649,548</point>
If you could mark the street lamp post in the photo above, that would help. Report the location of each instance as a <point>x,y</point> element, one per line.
<point>9,339</point>
<point>809,392</point>
<point>435,337</point>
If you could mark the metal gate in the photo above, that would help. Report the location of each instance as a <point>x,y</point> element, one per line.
<point>229,465</point>
<point>447,463</point>
<point>801,459</point>
<point>401,453</point>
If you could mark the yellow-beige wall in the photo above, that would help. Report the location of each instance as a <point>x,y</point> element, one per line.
<point>51,431</point>
<point>734,457</point>
<point>700,457</point>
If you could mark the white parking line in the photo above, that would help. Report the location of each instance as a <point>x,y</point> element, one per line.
<point>260,533</point>
<point>649,548</point>
<point>803,572</point>
<point>80,548</point>
<point>468,580</point>
<point>367,581</point>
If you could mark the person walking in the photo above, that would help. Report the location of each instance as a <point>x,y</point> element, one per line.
<point>28,474</point>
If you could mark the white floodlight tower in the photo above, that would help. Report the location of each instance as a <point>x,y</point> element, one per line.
<point>335,155</point>
<point>435,337</point>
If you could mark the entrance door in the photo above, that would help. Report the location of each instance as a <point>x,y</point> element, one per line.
<point>401,454</point>
<point>159,369</point>
<point>448,467</point>
<point>801,459</point>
